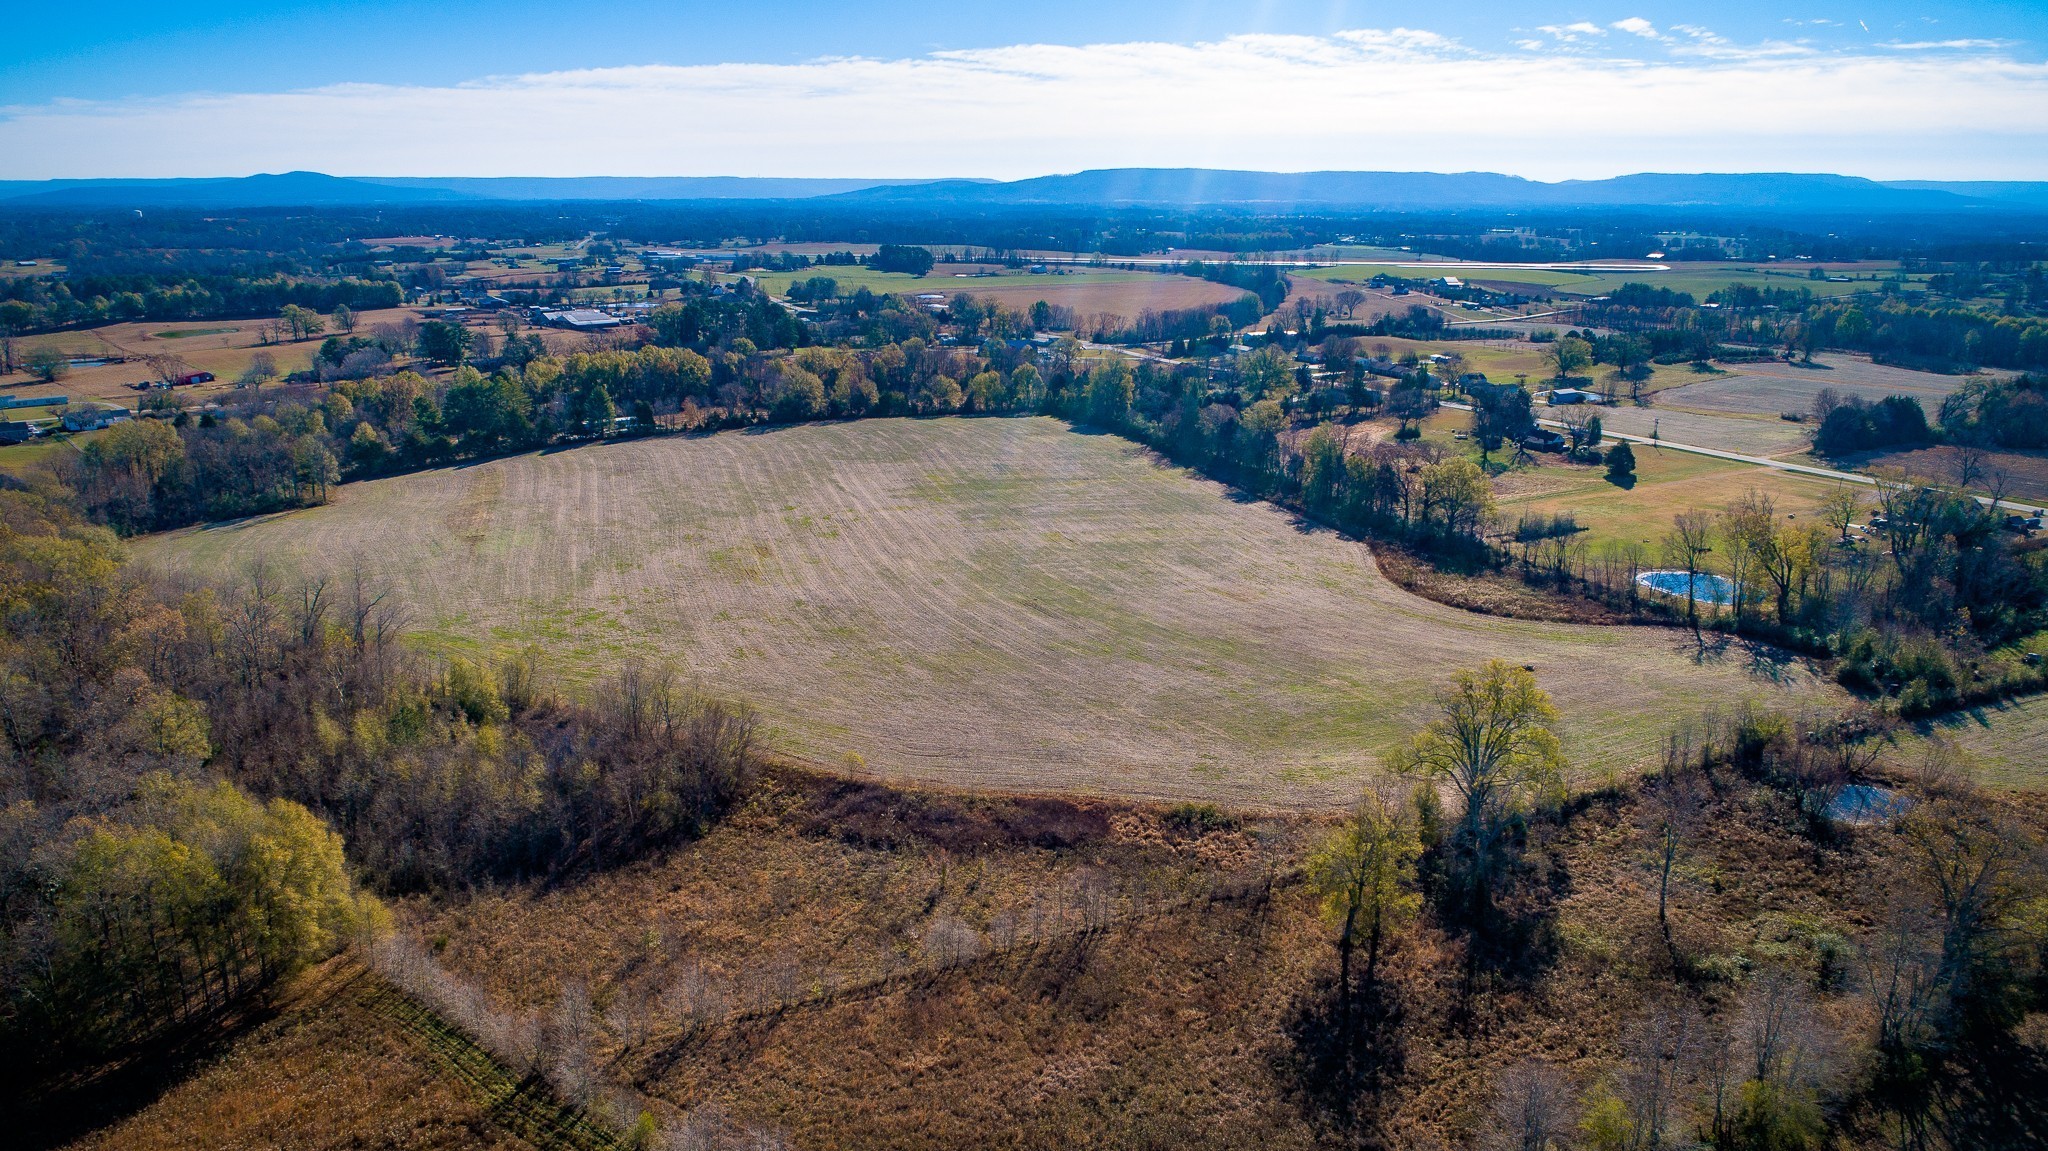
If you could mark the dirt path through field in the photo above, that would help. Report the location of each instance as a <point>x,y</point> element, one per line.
<point>1000,603</point>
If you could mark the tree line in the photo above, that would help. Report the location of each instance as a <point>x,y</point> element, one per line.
<point>44,303</point>
<point>201,786</point>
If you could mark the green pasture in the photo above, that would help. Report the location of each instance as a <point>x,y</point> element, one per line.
<point>1667,482</point>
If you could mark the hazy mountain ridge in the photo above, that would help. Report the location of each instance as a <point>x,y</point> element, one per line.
<point>1112,187</point>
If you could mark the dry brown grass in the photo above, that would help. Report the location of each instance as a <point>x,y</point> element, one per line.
<point>1491,593</point>
<point>331,1069</point>
<point>999,603</point>
<point>1126,296</point>
<point>1161,1021</point>
<point>223,347</point>
<point>2020,475</point>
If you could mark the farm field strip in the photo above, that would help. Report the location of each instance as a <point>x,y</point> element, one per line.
<point>998,603</point>
<point>1698,280</point>
<point>1086,290</point>
<point>1774,388</point>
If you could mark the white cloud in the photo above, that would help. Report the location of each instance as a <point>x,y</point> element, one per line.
<point>1637,26</point>
<point>1940,45</point>
<point>1572,33</point>
<point>1396,99</point>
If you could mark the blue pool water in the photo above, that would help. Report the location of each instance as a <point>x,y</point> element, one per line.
<point>1707,588</point>
<point>1867,803</point>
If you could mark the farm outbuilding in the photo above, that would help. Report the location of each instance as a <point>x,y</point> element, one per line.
<point>580,319</point>
<point>1561,396</point>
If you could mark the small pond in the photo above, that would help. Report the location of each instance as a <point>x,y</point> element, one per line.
<point>1706,588</point>
<point>1867,803</point>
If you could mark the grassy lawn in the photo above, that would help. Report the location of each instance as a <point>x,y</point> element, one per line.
<point>2002,744</point>
<point>1667,482</point>
<point>18,458</point>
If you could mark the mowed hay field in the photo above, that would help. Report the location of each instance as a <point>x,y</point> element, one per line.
<point>999,603</point>
<point>1088,291</point>
<point>2005,744</point>
<point>1774,388</point>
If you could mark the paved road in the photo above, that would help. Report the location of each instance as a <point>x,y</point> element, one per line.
<point>1766,462</point>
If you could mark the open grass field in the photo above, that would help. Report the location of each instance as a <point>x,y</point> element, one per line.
<point>223,347</point>
<point>1756,435</point>
<point>18,458</point>
<point>1771,388</point>
<point>1701,280</point>
<point>997,603</point>
<point>43,267</point>
<point>2017,475</point>
<point>1087,291</point>
<point>2007,745</point>
<point>1667,482</point>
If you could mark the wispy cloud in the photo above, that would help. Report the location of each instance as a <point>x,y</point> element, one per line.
<point>1375,98</point>
<point>1637,26</point>
<point>1572,33</point>
<point>1943,45</point>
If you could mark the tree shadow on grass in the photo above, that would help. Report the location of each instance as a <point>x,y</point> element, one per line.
<point>1766,661</point>
<point>1341,1058</point>
<point>54,1106</point>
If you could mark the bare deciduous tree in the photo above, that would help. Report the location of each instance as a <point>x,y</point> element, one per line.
<point>1686,547</point>
<point>1533,1110</point>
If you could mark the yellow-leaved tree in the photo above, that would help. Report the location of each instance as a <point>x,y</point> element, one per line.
<point>1491,746</point>
<point>1364,874</point>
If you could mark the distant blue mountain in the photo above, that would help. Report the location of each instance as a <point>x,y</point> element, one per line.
<point>283,190</point>
<point>1192,187</point>
<point>542,188</point>
<point>2015,192</point>
<point>1789,192</point>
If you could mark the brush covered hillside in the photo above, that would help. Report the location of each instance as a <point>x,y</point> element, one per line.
<point>845,964</point>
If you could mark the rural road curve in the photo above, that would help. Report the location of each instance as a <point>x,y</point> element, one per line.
<point>1763,461</point>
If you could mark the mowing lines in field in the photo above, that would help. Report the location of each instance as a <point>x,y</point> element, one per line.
<point>1000,602</point>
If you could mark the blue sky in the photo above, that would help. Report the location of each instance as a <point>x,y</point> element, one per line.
<point>921,89</point>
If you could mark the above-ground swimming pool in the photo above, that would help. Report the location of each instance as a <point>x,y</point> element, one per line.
<point>1706,588</point>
